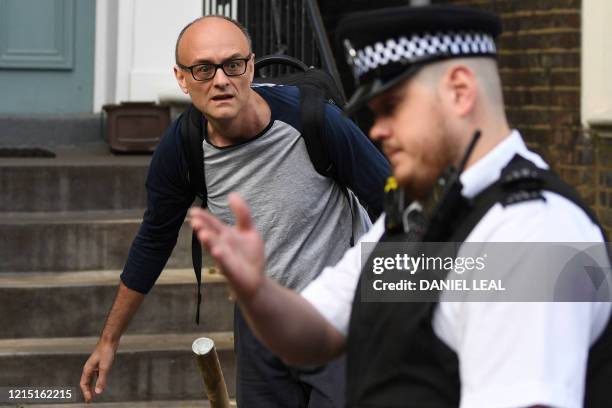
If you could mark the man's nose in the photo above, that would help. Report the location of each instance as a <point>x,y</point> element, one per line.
<point>220,79</point>
<point>379,130</point>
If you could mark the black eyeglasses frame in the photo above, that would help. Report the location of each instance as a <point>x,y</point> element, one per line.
<point>217,66</point>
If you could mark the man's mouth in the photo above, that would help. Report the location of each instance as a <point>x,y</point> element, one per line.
<point>390,152</point>
<point>223,97</point>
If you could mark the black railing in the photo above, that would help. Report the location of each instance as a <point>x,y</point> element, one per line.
<point>289,27</point>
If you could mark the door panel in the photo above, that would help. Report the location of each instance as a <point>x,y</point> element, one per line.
<point>46,56</point>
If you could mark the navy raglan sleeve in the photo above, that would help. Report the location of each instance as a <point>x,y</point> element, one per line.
<point>168,199</point>
<point>359,164</point>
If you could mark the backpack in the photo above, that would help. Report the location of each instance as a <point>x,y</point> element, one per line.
<point>316,88</point>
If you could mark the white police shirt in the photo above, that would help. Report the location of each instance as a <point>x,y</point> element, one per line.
<point>510,354</point>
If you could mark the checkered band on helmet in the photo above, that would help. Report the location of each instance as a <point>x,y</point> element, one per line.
<point>420,48</point>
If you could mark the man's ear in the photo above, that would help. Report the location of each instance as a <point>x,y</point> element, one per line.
<point>460,89</point>
<point>251,69</point>
<point>179,74</point>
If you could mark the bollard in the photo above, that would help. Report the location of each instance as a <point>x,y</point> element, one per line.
<point>210,368</point>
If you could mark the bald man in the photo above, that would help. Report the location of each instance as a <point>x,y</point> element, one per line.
<point>252,144</point>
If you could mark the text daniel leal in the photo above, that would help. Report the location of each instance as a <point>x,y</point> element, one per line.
<point>441,284</point>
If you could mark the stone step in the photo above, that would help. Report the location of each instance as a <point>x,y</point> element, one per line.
<point>79,240</point>
<point>75,304</point>
<point>51,129</point>
<point>147,367</point>
<point>74,180</point>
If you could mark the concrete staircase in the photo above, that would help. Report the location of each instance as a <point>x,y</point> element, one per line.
<point>66,225</point>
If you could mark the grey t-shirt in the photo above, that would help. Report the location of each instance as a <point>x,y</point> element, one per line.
<point>304,218</point>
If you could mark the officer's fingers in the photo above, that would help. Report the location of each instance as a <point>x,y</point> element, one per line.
<point>195,216</point>
<point>206,238</point>
<point>197,224</point>
<point>228,264</point>
<point>241,212</point>
<point>195,211</point>
<point>214,244</point>
<point>217,252</point>
<point>206,234</point>
<point>203,219</point>
<point>238,270</point>
<point>212,223</point>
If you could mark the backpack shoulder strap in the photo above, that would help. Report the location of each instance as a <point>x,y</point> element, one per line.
<point>520,181</point>
<point>312,117</point>
<point>192,137</point>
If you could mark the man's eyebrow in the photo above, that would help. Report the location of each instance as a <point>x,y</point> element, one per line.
<point>238,55</point>
<point>387,97</point>
<point>231,57</point>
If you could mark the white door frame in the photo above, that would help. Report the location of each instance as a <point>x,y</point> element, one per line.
<point>596,100</point>
<point>135,48</point>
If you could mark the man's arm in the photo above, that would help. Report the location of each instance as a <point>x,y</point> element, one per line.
<point>290,326</point>
<point>168,198</point>
<point>359,164</point>
<point>124,307</point>
<point>287,323</point>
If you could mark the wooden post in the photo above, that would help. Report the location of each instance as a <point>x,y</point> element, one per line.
<point>210,368</point>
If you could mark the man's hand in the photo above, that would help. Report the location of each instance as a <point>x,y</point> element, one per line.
<point>238,250</point>
<point>99,362</point>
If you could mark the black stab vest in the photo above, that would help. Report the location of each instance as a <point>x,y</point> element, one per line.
<point>394,358</point>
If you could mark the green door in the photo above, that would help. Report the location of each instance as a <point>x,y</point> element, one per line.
<point>46,56</point>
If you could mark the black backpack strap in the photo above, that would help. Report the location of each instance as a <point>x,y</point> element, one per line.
<point>312,116</point>
<point>520,181</point>
<point>192,136</point>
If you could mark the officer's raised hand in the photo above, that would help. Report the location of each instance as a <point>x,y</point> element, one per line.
<point>238,250</point>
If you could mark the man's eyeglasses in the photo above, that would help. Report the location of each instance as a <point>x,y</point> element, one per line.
<point>206,72</point>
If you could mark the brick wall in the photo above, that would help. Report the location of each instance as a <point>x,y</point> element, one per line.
<point>603,174</point>
<point>539,58</point>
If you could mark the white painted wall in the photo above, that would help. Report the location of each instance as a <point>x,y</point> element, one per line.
<point>596,101</point>
<point>135,48</point>
<point>105,59</point>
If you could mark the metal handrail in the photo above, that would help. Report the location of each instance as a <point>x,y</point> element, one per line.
<point>283,27</point>
<point>325,50</point>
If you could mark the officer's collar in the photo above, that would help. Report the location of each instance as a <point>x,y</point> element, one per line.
<point>488,168</point>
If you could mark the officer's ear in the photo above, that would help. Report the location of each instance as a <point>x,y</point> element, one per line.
<point>459,89</point>
<point>181,79</point>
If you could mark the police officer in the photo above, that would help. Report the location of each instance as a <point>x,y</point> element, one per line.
<point>429,74</point>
